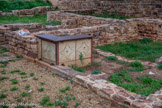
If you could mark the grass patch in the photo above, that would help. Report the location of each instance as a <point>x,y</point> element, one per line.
<point>41,89</point>
<point>27,87</point>
<point>111,58</point>
<point>159,66</point>
<point>31,74</point>
<point>96,71</point>
<point>15,71</point>
<point>46,101</point>
<point>14,89</point>
<point>107,15</point>
<point>141,85</point>
<point>136,66</point>
<point>23,94</point>
<point>27,19</point>
<point>2,96</point>
<point>148,51</point>
<point>22,73</point>
<point>9,5</point>
<point>3,72</point>
<point>14,81</point>
<point>80,69</point>
<point>3,78</point>
<point>65,89</point>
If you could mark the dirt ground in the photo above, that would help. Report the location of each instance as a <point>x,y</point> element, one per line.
<point>52,85</point>
<point>111,67</point>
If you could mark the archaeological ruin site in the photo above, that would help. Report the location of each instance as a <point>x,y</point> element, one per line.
<point>81,54</point>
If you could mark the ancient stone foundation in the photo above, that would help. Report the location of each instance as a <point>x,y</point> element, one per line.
<point>133,8</point>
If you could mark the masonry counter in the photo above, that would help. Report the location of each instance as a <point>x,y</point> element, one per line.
<point>65,50</point>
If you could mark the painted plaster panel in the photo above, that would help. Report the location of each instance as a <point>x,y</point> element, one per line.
<point>84,47</point>
<point>48,50</point>
<point>66,51</point>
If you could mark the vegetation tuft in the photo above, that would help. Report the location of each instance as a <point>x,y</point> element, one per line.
<point>144,85</point>
<point>137,50</point>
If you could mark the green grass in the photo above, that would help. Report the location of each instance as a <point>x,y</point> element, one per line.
<point>9,5</point>
<point>111,58</point>
<point>41,89</point>
<point>23,94</point>
<point>14,89</point>
<point>136,66</point>
<point>46,101</point>
<point>14,81</point>
<point>107,15</point>
<point>159,66</point>
<point>2,96</point>
<point>80,69</point>
<point>15,71</point>
<point>96,71</point>
<point>22,73</point>
<point>143,85</point>
<point>64,89</point>
<point>27,19</point>
<point>3,78</point>
<point>137,50</point>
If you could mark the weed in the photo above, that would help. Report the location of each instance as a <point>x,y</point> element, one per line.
<point>71,81</point>
<point>31,74</point>
<point>144,85</point>
<point>2,96</point>
<point>14,89</point>
<point>74,98</point>
<point>23,94</point>
<point>53,74</point>
<point>41,89</point>
<point>14,81</point>
<point>68,98</point>
<point>3,78</point>
<point>22,73</point>
<point>135,64</point>
<point>146,40</point>
<point>19,57</point>
<point>76,104</point>
<point>3,72</point>
<point>15,71</point>
<point>96,64</point>
<point>80,69</point>
<point>111,58</point>
<point>46,101</point>
<point>81,57</point>
<point>96,71</point>
<point>27,87</point>
<point>18,100</point>
<point>42,83</point>
<point>65,89</point>
<point>159,66</point>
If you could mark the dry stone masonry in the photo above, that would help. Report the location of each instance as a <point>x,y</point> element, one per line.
<point>103,31</point>
<point>134,8</point>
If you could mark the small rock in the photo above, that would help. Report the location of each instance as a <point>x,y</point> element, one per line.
<point>151,73</point>
<point>62,79</point>
<point>29,91</point>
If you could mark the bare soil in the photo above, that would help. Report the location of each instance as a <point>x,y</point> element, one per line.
<point>52,85</point>
<point>110,67</point>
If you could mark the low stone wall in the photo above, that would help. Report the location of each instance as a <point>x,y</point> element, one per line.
<point>6,30</point>
<point>116,30</point>
<point>24,45</point>
<point>134,8</point>
<point>33,11</point>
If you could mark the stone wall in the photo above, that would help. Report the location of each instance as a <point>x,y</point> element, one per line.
<point>33,11</point>
<point>106,30</point>
<point>6,30</point>
<point>134,8</point>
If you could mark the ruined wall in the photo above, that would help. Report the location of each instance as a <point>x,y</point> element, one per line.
<point>106,30</point>
<point>33,11</point>
<point>137,8</point>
